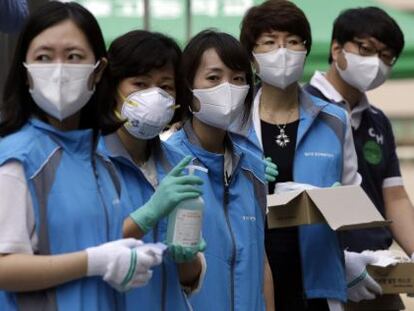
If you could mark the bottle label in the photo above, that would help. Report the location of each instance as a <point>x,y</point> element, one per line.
<point>187,227</point>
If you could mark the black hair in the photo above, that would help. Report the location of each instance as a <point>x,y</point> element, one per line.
<point>18,105</point>
<point>231,53</point>
<point>278,15</point>
<point>368,22</point>
<point>138,52</point>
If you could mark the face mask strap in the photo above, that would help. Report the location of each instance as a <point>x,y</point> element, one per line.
<point>125,120</point>
<point>128,101</point>
<point>97,64</point>
<point>119,116</point>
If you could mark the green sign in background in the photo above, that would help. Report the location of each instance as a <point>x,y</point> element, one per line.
<point>169,16</point>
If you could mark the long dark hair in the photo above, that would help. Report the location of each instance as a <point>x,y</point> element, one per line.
<point>137,53</point>
<point>231,53</point>
<point>18,105</point>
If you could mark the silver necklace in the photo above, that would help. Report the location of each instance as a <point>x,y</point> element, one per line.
<point>282,140</point>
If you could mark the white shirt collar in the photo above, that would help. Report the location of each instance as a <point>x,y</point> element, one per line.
<point>256,100</point>
<point>320,82</point>
<point>256,115</point>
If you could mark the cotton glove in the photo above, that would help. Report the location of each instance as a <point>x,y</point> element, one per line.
<point>182,254</point>
<point>173,189</point>
<point>271,170</point>
<point>361,286</point>
<point>124,264</point>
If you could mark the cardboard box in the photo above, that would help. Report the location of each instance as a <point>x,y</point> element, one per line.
<point>385,302</point>
<point>397,279</point>
<point>343,208</point>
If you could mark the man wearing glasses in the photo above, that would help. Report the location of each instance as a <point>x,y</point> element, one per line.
<point>366,43</point>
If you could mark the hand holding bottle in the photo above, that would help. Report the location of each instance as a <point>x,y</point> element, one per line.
<point>182,254</point>
<point>173,189</point>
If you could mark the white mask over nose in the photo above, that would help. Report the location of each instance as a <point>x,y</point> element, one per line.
<point>364,72</point>
<point>221,105</point>
<point>60,89</point>
<point>280,67</point>
<point>147,112</point>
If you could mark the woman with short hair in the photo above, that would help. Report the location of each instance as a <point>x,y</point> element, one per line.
<point>310,141</point>
<point>217,92</point>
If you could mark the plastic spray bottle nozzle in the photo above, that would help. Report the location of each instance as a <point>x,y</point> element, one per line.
<point>191,168</point>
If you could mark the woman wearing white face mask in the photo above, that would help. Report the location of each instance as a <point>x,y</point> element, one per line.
<point>143,68</point>
<point>59,204</point>
<point>217,92</point>
<point>310,141</point>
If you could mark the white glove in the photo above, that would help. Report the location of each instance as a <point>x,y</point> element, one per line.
<point>124,264</point>
<point>361,286</point>
<point>289,186</point>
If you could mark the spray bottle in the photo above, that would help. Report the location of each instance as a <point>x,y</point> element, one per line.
<point>184,222</point>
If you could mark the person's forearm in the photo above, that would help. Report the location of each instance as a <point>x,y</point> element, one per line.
<point>131,229</point>
<point>400,211</point>
<point>189,272</point>
<point>268,287</point>
<point>22,272</point>
<point>402,225</point>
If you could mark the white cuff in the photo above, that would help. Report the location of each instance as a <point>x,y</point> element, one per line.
<point>96,262</point>
<point>15,248</point>
<point>392,182</point>
<point>335,305</point>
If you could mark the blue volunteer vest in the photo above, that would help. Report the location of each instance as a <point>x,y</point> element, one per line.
<point>164,291</point>
<point>318,161</point>
<point>75,196</point>
<point>233,227</point>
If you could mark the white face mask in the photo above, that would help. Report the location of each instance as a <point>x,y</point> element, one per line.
<point>280,67</point>
<point>148,112</point>
<point>364,72</point>
<point>221,105</point>
<point>59,89</point>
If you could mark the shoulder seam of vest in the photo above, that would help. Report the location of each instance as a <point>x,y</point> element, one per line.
<point>45,162</point>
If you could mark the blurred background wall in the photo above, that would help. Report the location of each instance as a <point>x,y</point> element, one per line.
<point>183,18</point>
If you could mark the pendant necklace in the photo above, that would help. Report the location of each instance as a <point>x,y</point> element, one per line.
<point>282,140</point>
